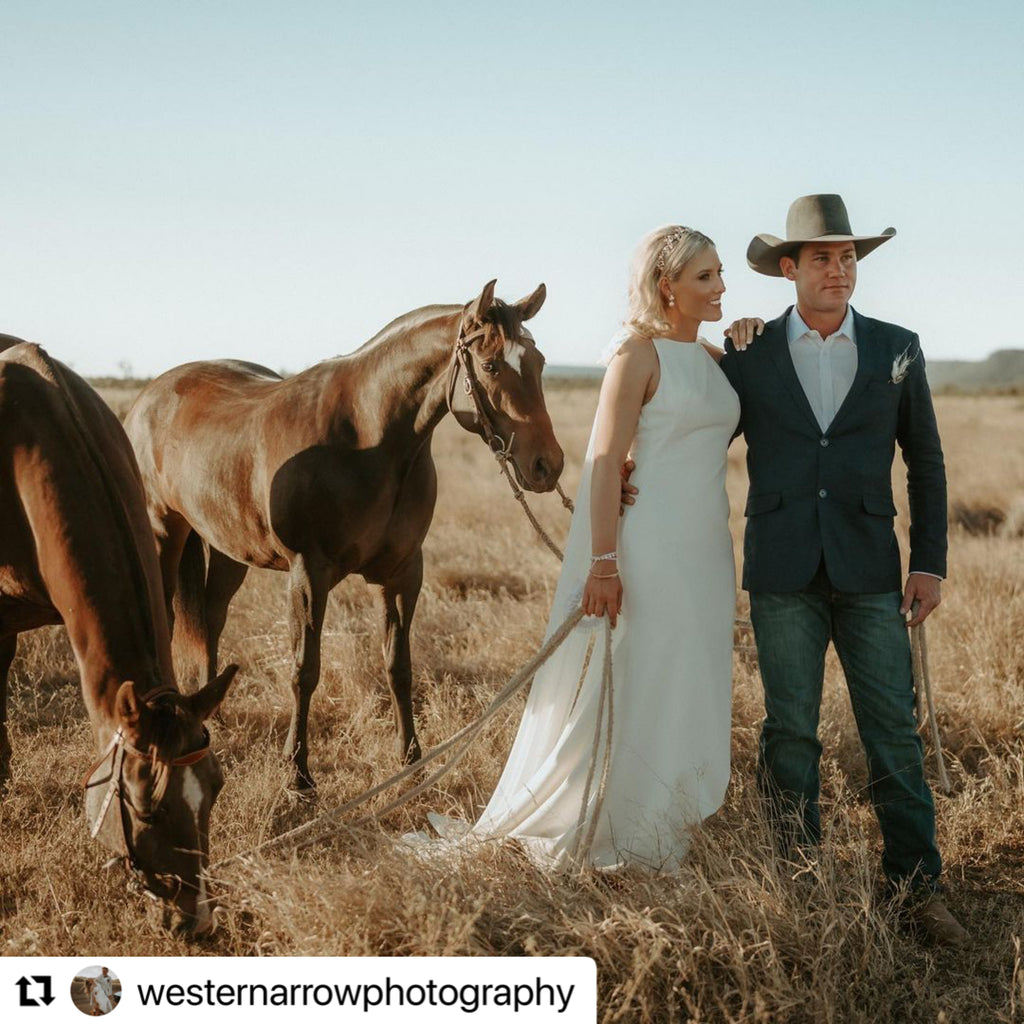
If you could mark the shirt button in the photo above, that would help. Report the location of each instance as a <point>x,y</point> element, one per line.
<point>824,442</point>
<point>823,493</point>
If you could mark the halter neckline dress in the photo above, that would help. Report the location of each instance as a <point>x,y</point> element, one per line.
<point>671,652</point>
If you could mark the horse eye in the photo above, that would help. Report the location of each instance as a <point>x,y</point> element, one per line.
<point>491,366</point>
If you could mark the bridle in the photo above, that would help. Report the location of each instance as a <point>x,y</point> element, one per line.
<point>115,753</point>
<point>501,449</point>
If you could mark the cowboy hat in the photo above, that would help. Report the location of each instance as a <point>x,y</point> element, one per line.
<point>810,219</point>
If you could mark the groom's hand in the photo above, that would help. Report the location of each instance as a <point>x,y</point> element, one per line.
<point>628,490</point>
<point>925,589</point>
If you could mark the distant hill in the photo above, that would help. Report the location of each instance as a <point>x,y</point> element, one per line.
<point>1001,371</point>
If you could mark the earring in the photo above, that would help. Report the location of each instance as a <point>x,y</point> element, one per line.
<point>671,300</point>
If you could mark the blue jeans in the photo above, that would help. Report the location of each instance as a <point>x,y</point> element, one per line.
<point>792,632</point>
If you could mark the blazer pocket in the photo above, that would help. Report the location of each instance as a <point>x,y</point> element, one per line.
<point>758,503</point>
<point>879,505</point>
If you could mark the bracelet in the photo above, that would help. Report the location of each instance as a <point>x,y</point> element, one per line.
<point>606,576</point>
<point>608,556</point>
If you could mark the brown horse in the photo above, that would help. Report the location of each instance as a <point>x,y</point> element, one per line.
<point>76,547</point>
<point>329,473</point>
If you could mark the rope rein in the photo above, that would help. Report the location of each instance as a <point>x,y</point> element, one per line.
<point>312,831</point>
<point>925,700</point>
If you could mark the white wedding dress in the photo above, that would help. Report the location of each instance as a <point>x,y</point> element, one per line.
<point>671,653</point>
<point>103,993</point>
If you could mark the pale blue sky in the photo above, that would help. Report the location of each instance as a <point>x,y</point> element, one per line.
<point>275,180</point>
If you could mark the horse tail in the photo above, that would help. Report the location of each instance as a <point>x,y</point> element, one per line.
<point>190,602</point>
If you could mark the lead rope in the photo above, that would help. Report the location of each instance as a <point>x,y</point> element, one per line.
<point>925,700</point>
<point>503,454</point>
<point>313,831</point>
<point>581,852</point>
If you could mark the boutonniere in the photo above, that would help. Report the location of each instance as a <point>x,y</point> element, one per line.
<point>901,364</point>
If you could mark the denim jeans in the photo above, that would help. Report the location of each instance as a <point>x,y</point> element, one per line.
<point>792,632</point>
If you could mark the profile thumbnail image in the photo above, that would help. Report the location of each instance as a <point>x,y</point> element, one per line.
<point>96,990</point>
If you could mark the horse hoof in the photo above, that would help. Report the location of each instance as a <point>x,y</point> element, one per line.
<point>411,754</point>
<point>302,784</point>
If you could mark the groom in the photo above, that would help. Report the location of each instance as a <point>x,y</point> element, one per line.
<point>825,395</point>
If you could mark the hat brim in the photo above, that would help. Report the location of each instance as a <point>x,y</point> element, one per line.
<point>765,251</point>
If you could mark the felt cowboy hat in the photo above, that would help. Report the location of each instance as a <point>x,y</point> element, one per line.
<point>810,219</point>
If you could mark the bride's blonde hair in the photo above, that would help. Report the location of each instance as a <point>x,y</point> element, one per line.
<point>662,253</point>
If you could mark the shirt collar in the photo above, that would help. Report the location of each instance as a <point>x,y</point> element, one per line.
<point>796,328</point>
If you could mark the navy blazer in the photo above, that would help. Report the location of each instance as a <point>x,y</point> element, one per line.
<point>815,493</point>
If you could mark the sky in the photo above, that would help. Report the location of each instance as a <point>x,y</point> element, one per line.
<point>275,181</point>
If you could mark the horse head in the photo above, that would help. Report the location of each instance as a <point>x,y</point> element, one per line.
<point>148,798</point>
<point>502,398</point>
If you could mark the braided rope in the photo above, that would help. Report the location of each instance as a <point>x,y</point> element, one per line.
<point>925,699</point>
<point>581,852</point>
<point>310,832</point>
<point>517,492</point>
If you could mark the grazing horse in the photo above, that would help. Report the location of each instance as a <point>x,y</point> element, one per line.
<point>329,473</point>
<point>76,547</point>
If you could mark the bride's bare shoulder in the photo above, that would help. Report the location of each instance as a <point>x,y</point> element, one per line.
<point>633,349</point>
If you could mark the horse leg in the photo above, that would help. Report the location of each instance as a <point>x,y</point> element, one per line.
<point>399,597</point>
<point>8,645</point>
<point>223,578</point>
<point>170,532</point>
<point>307,591</point>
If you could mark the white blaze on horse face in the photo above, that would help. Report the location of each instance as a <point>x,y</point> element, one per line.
<point>514,352</point>
<point>204,919</point>
<point>192,791</point>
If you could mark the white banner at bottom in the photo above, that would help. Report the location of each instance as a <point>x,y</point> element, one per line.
<point>417,990</point>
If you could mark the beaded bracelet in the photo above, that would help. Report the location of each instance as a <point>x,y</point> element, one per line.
<point>608,556</point>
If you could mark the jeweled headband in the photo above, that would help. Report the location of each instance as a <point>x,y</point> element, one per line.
<point>675,236</point>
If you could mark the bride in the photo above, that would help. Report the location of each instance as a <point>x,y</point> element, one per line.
<point>664,576</point>
<point>102,987</point>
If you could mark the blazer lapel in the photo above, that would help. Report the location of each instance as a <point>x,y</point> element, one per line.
<point>778,344</point>
<point>865,359</point>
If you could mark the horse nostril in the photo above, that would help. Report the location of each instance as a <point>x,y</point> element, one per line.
<point>540,469</point>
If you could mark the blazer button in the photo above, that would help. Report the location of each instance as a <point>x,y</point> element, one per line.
<point>824,442</point>
<point>823,493</point>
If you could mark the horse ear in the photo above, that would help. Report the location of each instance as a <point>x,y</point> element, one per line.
<point>129,711</point>
<point>127,704</point>
<point>530,306</point>
<point>477,309</point>
<point>208,699</point>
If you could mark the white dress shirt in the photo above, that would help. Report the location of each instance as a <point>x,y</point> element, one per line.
<point>825,366</point>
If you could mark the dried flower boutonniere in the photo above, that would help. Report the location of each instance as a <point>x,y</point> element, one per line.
<point>901,364</point>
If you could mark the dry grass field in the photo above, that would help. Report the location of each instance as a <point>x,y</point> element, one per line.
<point>734,936</point>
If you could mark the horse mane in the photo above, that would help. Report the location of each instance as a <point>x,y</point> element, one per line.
<point>406,322</point>
<point>112,493</point>
<point>500,314</point>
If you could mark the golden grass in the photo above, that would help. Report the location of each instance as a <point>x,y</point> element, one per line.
<point>734,936</point>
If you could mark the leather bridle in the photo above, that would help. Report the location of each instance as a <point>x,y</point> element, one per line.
<point>115,753</point>
<point>500,448</point>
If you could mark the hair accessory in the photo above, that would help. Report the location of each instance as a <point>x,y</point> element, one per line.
<point>669,244</point>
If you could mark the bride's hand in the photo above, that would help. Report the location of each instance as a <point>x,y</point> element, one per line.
<point>744,330</point>
<point>601,596</point>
